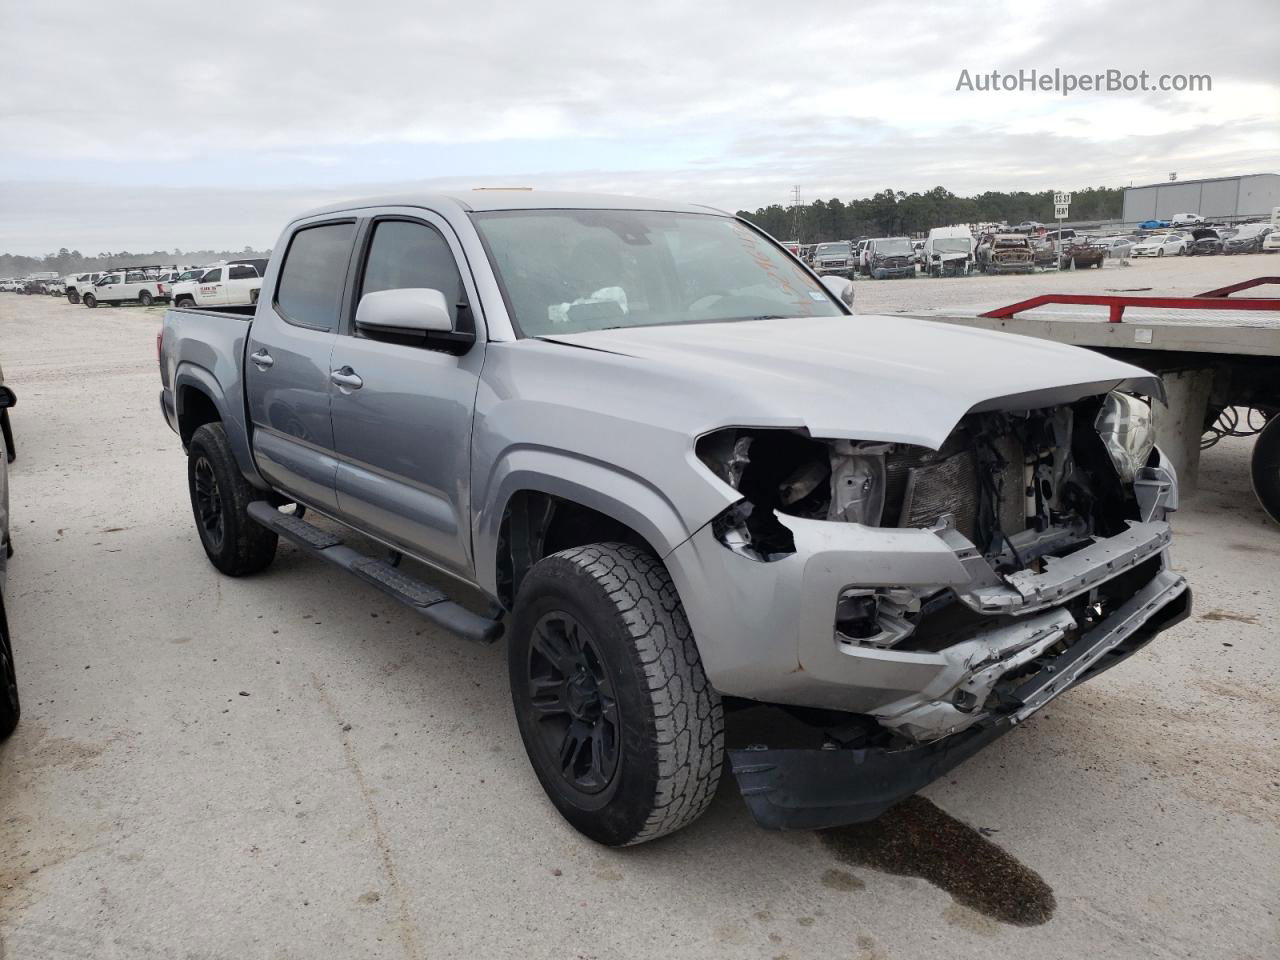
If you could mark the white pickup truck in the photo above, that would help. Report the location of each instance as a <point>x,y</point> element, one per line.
<point>230,285</point>
<point>122,286</point>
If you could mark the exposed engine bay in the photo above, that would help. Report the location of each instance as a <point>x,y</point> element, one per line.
<point>1048,509</point>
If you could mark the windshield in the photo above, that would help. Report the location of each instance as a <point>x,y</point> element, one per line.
<point>569,271</point>
<point>893,247</point>
<point>952,245</point>
<point>832,250</point>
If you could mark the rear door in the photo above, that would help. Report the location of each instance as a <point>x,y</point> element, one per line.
<point>287,364</point>
<point>403,436</point>
<point>242,285</point>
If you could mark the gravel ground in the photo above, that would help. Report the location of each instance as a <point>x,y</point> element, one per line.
<point>292,766</point>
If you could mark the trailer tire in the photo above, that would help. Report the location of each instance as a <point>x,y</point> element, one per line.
<point>220,498</point>
<point>90,300</point>
<point>622,728</point>
<point>1264,467</point>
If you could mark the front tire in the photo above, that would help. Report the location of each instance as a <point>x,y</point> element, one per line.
<point>621,725</point>
<point>220,498</point>
<point>90,300</point>
<point>73,297</point>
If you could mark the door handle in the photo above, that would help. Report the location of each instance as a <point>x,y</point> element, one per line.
<point>346,377</point>
<point>262,359</point>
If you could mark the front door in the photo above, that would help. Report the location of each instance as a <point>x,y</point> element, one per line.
<point>287,365</point>
<point>212,289</point>
<point>403,435</point>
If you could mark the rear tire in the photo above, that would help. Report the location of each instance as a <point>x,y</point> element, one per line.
<point>621,725</point>
<point>145,298</point>
<point>90,300</point>
<point>1264,467</point>
<point>73,297</point>
<point>220,498</point>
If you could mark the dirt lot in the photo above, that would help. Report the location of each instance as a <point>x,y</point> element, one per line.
<point>292,766</point>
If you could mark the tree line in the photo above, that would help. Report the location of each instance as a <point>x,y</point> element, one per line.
<point>73,261</point>
<point>892,213</point>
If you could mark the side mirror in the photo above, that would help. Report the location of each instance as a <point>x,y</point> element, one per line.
<point>840,287</point>
<point>408,311</point>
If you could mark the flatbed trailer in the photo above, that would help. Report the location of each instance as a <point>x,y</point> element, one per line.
<point>1217,353</point>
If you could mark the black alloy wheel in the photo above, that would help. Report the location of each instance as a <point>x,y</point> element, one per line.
<point>572,697</point>
<point>209,503</point>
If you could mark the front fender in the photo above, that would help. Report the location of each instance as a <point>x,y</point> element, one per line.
<point>189,376</point>
<point>625,497</point>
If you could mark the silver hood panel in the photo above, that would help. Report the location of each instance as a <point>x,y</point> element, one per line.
<point>861,377</point>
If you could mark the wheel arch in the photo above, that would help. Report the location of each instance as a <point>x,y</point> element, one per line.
<point>200,399</point>
<point>543,502</point>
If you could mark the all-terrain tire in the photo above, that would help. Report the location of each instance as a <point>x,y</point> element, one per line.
<point>10,706</point>
<point>669,722</point>
<point>90,300</point>
<point>1264,467</point>
<point>220,498</point>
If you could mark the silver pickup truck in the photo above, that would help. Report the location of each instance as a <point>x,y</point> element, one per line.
<point>689,479</point>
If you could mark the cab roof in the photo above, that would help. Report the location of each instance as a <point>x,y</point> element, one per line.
<point>489,199</point>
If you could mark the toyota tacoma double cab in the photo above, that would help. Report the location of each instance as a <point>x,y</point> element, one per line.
<point>687,478</point>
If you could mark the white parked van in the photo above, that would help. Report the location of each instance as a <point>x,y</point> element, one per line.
<point>948,251</point>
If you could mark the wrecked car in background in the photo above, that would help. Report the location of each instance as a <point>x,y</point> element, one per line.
<point>1082,253</point>
<point>686,478</point>
<point>1207,241</point>
<point>948,252</point>
<point>1006,253</point>
<point>890,258</point>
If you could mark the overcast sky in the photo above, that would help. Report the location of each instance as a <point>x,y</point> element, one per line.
<point>207,125</point>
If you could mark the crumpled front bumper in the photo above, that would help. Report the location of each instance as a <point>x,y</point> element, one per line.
<point>812,789</point>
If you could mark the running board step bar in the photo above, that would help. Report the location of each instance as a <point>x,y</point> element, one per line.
<point>420,597</point>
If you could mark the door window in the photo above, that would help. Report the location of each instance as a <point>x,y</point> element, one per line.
<point>213,276</point>
<point>404,254</point>
<point>311,279</point>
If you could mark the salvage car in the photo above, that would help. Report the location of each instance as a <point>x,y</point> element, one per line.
<point>1007,253</point>
<point>1207,241</point>
<point>947,252</point>
<point>10,706</point>
<point>686,478</point>
<point>1082,253</point>
<point>1249,238</point>
<point>890,258</point>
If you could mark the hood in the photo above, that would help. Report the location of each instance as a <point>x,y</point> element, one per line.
<point>858,377</point>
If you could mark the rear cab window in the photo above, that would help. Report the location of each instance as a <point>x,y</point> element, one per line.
<point>309,291</point>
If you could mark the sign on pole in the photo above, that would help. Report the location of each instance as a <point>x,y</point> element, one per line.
<point>1061,201</point>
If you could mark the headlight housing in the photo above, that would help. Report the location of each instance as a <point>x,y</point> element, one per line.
<point>1125,426</point>
<point>783,472</point>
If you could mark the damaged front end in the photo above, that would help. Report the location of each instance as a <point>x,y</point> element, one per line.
<point>972,584</point>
